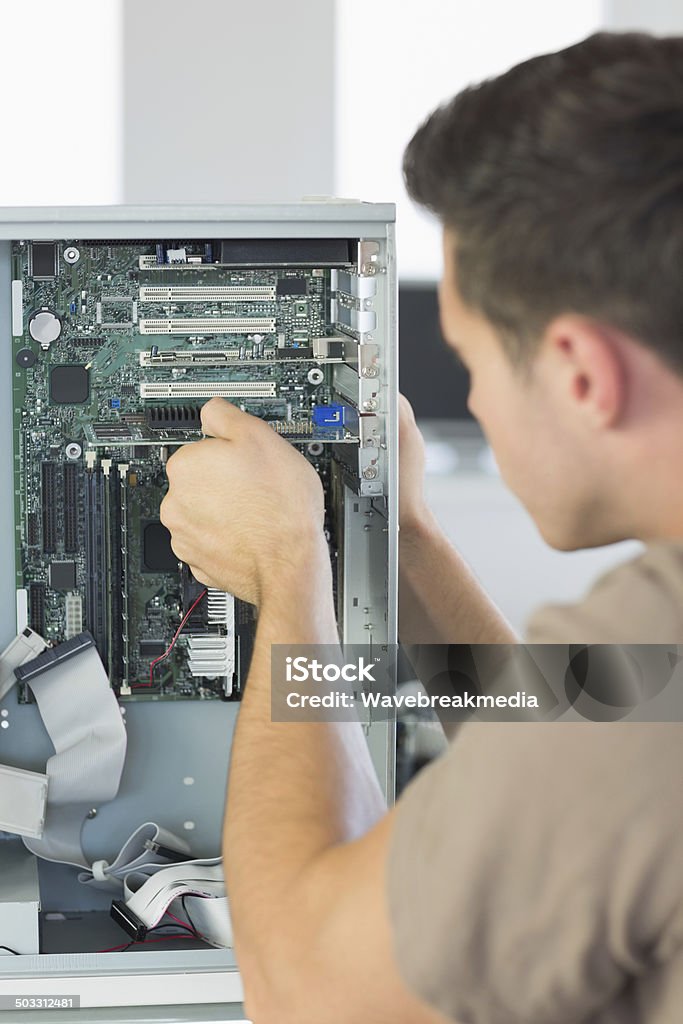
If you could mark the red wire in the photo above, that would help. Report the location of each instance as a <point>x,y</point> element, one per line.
<point>177,919</point>
<point>142,942</point>
<point>172,643</point>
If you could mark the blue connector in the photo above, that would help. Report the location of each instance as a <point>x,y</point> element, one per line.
<point>329,416</point>
<point>115,403</point>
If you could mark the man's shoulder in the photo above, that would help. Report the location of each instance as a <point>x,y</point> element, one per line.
<point>640,601</point>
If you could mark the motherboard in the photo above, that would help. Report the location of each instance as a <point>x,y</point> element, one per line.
<point>117,344</point>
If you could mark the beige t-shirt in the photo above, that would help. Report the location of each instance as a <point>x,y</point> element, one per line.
<point>536,870</point>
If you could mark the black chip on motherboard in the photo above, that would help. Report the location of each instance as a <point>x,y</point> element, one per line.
<point>291,286</point>
<point>152,648</point>
<point>44,259</point>
<point>302,352</point>
<point>62,575</point>
<point>69,385</point>
<point>157,553</point>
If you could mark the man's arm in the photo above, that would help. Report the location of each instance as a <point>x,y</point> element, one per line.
<point>440,600</point>
<point>306,843</point>
<point>306,832</point>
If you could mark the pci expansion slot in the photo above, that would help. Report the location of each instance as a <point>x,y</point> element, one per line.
<point>208,389</point>
<point>209,325</point>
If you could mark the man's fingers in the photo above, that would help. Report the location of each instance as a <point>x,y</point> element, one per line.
<point>221,418</point>
<point>405,409</point>
<point>407,427</point>
<point>200,576</point>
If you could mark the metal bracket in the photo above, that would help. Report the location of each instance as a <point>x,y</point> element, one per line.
<point>368,258</point>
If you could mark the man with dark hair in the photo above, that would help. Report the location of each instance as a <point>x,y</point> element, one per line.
<point>532,875</point>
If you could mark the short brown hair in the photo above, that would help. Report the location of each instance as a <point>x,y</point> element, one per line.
<point>562,180</point>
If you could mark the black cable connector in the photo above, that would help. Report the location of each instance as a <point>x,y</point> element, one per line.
<point>130,922</point>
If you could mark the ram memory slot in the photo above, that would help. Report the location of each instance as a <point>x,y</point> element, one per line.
<point>125,611</point>
<point>113,544</point>
<point>71,506</point>
<point>48,506</point>
<point>96,588</point>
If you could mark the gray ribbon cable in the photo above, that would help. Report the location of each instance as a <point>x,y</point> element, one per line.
<point>149,845</point>
<point>149,893</point>
<point>83,720</point>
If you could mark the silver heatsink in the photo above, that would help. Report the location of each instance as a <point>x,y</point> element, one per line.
<point>213,654</point>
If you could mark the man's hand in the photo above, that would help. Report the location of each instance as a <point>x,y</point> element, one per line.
<point>244,508</point>
<point>439,600</point>
<point>411,452</point>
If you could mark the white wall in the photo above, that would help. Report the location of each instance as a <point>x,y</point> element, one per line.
<point>228,101</point>
<point>60,102</point>
<point>663,17</point>
<point>397,60</point>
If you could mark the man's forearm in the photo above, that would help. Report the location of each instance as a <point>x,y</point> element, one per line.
<point>295,788</point>
<point>440,600</point>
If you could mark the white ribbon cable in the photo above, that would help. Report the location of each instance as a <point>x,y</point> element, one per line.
<point>211,918</point>
<point>148,895</point>
<point>135,854</point>
<point>26,646</point>
<point>83,720</point>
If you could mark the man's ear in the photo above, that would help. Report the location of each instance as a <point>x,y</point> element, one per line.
<point>585,368</point>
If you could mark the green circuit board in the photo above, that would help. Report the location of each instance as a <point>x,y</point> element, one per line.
<point>116,347</point>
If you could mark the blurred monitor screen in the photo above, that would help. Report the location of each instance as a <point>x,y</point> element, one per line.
<point>431,378</point>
